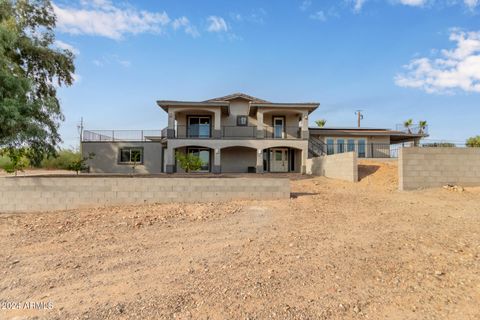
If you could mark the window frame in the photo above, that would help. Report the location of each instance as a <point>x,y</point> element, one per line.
<point>239,124</point>
<point>129,149</point>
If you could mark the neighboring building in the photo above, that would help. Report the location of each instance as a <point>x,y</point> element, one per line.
<point>236,133</point>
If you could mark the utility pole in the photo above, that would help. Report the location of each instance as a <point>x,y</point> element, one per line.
<point>359,117</point>
<point>80,131</point>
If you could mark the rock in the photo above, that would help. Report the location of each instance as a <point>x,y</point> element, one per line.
<point>439,273</point>
<point>15,262</point>
<point>356,309</point>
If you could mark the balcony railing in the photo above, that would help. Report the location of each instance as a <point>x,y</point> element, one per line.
<point>293,132</point>
<point>414,129</point>
<point>236,132</point>
<point>368,150</point>
<point>121,135</point>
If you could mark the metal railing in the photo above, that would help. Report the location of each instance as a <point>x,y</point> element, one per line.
<point>289,132</point>
<point>121,135</point>
<point>233,132</point>
<point>367,150</point>
<point>414,129</point>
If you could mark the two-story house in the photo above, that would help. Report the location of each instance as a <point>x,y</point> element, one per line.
<point>235,133</point>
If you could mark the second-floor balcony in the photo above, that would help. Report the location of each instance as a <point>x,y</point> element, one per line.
<point>236,132</point>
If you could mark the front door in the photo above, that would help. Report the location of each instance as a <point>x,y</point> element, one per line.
<point>279,160</point>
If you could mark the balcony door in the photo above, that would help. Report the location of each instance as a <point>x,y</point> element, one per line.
<point>199,126</point>
<point>278,127</point>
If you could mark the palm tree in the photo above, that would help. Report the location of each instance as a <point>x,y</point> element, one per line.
<point>422,124</point>
<point>407,124</point>
<point>321,123</point>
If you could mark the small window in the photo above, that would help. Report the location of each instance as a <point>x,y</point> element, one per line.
<point>340,145</point>
<point>242,121</point>
<point>131,155</point>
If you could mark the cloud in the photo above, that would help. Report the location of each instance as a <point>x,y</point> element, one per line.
<point>455,69</point>
<point>413,3</point>
<point>111,59</point>
<point>319,15</point>
<point>255,16</point>
<point>358,5</point>
<point>185,24</point>
<point>471,3</point>
<point>102,18</point>
<point>305,5</point>
<point>65,46</point>
<point>216,24</point>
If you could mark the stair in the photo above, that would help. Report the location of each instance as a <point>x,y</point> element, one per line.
<point>316,147</point>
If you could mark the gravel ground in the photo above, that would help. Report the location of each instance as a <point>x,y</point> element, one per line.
<point>336,250</point>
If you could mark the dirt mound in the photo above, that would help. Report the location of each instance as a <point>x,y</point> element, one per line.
<point>381,174</point>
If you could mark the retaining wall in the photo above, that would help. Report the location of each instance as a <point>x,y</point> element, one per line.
<point>341,166</point>
<point>18,194</point>
<point>436,167</point>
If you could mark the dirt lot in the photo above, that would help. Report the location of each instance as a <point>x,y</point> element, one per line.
<point>336,250</point>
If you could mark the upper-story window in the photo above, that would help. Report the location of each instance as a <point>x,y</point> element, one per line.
<point>242,121</point>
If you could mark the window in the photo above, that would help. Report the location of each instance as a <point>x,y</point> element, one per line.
<point>350,145</point>
<point>330,147</point>
<point>340,146</point>
<point>204,155</point>
<point>131,155</point>
<point>361,148</point>
<point>242,121</point>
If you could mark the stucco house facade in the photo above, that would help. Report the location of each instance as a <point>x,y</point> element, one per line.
<point>237,133</point>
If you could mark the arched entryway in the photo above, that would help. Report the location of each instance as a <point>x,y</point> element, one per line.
<point>282,159</point>
<point>237,159</point>
<point>205,154</point>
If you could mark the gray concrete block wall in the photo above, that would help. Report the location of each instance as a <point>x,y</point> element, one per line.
<point>24,194</point>
<point>436,167</point>
<point>341,166</point>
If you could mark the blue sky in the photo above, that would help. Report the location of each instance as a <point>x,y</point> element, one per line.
<point>395,59</point>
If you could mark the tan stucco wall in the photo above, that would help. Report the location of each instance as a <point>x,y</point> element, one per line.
<point>436,167</point>
<point>238,159</point>
<point>107,156</point>
<point>19,194</point>
<point>341,166</point>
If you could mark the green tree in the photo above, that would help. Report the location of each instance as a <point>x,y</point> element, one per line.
<point>17,157</point>
<point>407,124</point>
<point>80,164</point>
<point>30,71</point>
<point>189,162</point>
<point>473,142</point>
<point>321,123</point>
<point>422,125</point>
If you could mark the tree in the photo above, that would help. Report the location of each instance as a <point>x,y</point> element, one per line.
<point>189,162</point>
<point>321,123</point>
<point>473,142</point>
<point>407,124</point>
<point>422,125</point>
<point>135,158</point>
<point>17,157</point>
<point>30,71</point>
<point>80,164</point>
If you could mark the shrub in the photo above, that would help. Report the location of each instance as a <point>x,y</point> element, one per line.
<point>80,164</point>
<point>188,161</point>
<point>473,142</point>
<point>64,160</point>
<point>17,159</point>
<point>439,144</point>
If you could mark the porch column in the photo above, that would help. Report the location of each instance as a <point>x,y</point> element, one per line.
<point>304,161</point>
<point>260,130</point>
<point>305,133</point>
<point>171,124</point>
<point>259,160</point>
<point>169,160</point>
<point>217,128</point>
<point>217,167</point>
